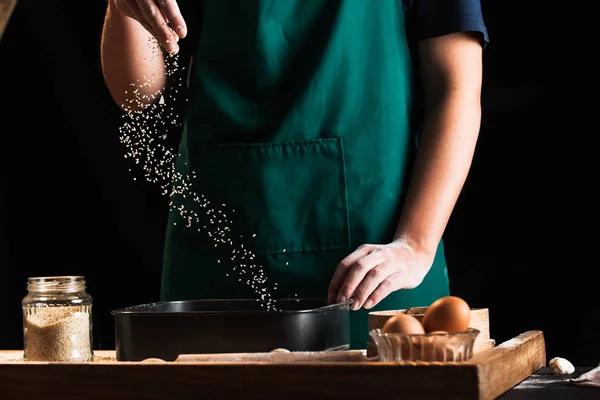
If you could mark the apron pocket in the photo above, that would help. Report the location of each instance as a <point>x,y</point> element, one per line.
<point>279,196</point>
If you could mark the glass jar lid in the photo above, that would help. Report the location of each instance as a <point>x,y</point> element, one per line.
<point>74,283</point>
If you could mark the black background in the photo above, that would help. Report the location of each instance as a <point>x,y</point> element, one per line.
<point>521,241</point>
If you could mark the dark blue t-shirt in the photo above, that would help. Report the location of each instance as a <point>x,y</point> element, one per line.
<point>432,18</point>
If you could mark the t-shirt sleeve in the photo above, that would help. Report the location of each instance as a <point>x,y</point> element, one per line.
<point>432,18</point>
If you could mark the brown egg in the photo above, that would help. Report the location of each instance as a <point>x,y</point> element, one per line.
<point>449,313</point>
<point>403,323</point>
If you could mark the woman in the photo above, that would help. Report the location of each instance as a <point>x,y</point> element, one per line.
<point>304,125</point>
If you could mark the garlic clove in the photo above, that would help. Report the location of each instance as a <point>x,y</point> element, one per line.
<point>280,350</point>
<point>561,366</point>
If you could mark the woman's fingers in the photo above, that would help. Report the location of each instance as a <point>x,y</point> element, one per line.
<point>376,277</point>
<point>341,272</point>
<point>357,273</point>
<point>385,287</point>
<point>172,13</point>
<point>159,26</point>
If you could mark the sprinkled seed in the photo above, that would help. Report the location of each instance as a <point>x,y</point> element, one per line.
<point>145,140</point>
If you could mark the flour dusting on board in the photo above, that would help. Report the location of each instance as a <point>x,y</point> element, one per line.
<point>145,135</point>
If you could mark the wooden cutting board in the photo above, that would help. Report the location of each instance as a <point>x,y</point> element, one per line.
<point>486,376</point>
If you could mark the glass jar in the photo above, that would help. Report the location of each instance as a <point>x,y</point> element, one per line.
<point>57,320</point>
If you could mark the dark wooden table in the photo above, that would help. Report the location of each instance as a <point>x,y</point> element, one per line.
<point>547,386</point>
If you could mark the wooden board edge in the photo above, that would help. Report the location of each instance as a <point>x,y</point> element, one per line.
<point>508,364</point>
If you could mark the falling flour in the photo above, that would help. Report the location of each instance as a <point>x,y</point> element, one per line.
<point>58,334</point>
<point>145,134</point>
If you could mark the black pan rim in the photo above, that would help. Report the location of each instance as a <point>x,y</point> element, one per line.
<point>128,310</point>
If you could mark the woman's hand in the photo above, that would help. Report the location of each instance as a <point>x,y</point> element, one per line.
<point>161,18</point>
<point>372,272</point>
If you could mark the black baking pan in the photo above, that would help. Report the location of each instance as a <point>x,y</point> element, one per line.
<point>167,329</point>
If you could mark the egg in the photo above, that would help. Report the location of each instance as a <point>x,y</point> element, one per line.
<point>403,323</point>
<point>449,313</point>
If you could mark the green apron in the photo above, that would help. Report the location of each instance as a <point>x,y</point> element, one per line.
<point>296,150</point>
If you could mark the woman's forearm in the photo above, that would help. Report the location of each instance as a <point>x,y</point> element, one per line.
<point>132,61</point>
<point>450,68</point>
<point>442,164</point>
